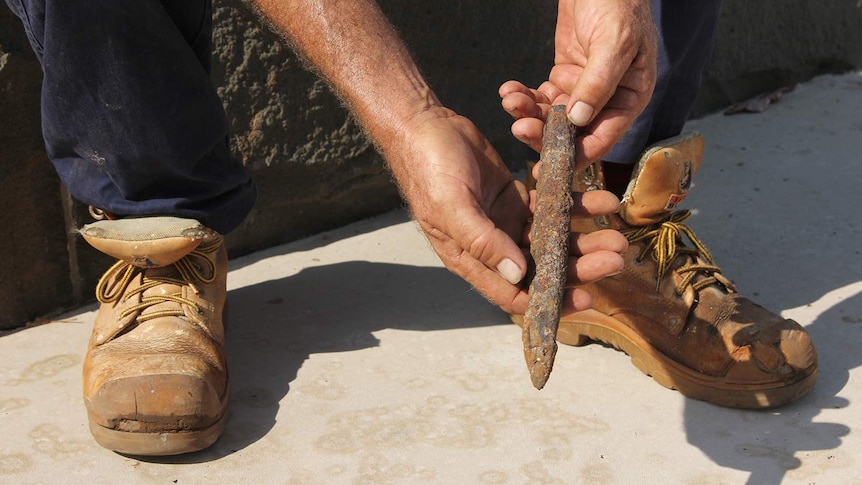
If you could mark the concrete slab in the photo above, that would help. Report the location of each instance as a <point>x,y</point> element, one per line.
<point>356,358</point>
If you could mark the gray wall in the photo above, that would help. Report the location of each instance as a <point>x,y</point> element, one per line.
<point>314,167</point>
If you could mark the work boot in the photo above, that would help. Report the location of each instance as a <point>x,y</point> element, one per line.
<point>672,310</point>
<point>155,377</point>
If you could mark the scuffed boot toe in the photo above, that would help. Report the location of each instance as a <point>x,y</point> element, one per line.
<point>157,414</point>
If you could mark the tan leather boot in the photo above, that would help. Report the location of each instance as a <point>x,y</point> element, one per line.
<point>155,377</point>
<point>681,321</point>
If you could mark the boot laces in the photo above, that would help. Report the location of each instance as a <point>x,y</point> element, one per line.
<point>664,241</point>
<point>197,267</point>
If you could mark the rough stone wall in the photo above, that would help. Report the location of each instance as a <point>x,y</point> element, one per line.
<point>768,44</point>
<point>315,168</point>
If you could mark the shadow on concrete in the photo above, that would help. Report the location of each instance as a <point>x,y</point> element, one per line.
<point>273,327</point>
<point>769,444</point>
<point>326,238</point>
<point>778,209</point>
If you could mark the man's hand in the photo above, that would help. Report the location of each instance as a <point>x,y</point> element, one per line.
<point>477,217</point>
<point>604,72</point>
<point>458,188</point>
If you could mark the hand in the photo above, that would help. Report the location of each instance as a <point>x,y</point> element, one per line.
<point>604,72</point>
<point>473,212</point>
<point>460,192</point>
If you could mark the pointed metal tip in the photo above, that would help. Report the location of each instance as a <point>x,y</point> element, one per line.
<point>539,374</point>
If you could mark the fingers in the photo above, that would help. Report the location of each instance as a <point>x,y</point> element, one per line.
<point>597,254</point>
<point>596,85</point>
<point>604,72</point>
<point>521,105</point>
<point>602,240</point>
<point>553,93</point>
<point>581,244</point>
<point>472,247</point>
<point>594,203</point>
<point>618,57</point>
<point>575,300</point>
<point>564,78</point>
<point>509,297</point>
<point>609,126</point>
<point>529,132</point>
<point>595,141</point>
<point>593,267</point>
<point>546,93</point>
<point>510,87</point>
<point>490,245</point>
<point>520,101</point>
<point>529,107</point>
<point>603,78</point>
<point>586,204</point>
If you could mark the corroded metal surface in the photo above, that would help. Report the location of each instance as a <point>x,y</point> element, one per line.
<point>549,246</point>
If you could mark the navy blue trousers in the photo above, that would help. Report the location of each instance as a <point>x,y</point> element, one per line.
<point>131,120</point>
<point>134,126</point>
<point>686,34</point>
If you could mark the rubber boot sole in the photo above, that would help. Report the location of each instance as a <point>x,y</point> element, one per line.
<point>598,327</point>
<point>157,444</point>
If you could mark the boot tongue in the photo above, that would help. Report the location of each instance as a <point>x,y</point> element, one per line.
<point>147,242</point>
<point>661,179</point>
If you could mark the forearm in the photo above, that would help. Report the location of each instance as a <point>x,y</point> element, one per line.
<point>354,47</point>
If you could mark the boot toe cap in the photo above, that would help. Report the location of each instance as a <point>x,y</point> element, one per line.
<point>157,403</point>
<point>782,361</point>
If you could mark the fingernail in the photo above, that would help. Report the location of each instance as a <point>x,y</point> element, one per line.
<point>581,113</point>
<point>510,271</point>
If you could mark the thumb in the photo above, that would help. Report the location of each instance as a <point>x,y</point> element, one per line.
<point>598,82</point>
<point>496,250</point>
<point>476,234</point>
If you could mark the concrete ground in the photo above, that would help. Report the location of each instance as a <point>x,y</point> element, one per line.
<point>356,358</point>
